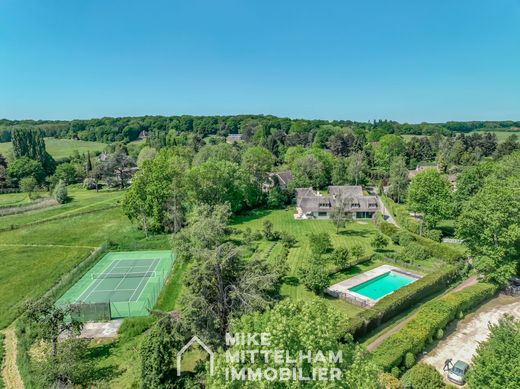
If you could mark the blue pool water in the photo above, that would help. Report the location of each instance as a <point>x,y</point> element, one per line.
<point>381,285</point>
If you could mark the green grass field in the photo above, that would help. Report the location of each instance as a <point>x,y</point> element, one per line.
<point>10,199</point>
<point>283,220</point>
<point>61,148</point>
<point>501,135</point>
<point>34,257</point>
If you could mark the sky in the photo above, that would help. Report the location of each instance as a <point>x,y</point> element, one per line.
<point>410,61</point>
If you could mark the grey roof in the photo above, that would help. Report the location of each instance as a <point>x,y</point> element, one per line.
<point>284,177</point>
<point>310,201</point>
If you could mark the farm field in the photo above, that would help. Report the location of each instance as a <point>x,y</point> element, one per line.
<point>61,148</point>
<point>501,135</point>
<point>35,257</point>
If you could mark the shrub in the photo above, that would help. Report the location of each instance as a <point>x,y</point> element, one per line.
<point>401,299</point>
<point>414,252</point>
<point>357,251</point>
<point>405,238</point>
<point>314,277</point>
<point>409,360</point>
<point>431,317</point>
<point>379,241</point>
<point>340,256</point>
<point>439,334</point>
<point>388,381</point>
<point>60,193</point>
<point>435,235</point>
<point>424,376</point>
<point>268,232</point>
<point>133,326</point>
<point>320,243</point>
<point>396,372</point>
<point>287,239</point>
<point>89,183</point>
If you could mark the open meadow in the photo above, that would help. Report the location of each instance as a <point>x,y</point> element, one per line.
<point>46,244</point>
<point>61,148</point>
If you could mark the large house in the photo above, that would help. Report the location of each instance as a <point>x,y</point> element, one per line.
<point>312,204</point>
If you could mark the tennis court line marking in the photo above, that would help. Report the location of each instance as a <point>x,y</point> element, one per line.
<point>114,290</point>
<point>124,277</point>
<point>154,263</point>
<point>94,281</point>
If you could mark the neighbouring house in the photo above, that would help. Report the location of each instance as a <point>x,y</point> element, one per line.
<point>277,179</point>
<point>143,135</point>
<point>233,138</point>
<point>420,169</point>
<point>103,157</point>
<point>312,204</point>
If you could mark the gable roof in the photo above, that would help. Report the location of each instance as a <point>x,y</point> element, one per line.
<point>310,201</point>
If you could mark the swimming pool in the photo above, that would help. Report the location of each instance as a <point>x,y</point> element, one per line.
<point>382,285</point>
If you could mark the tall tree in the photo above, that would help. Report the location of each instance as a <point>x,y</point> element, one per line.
<point>398,179</point>
<point>31,144</point>
<point>496,363</point>
<point>291,326</point>
<point>120,164</point>
<point>158,354</point>
<point>430,193</point>
<point>156,198</point>
<point>220,286</point>
<point>51,321</point>
<point>356,167</point>
<point>489,226</point>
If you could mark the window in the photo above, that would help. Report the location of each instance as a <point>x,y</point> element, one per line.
<point>355,205</point>
<point>322,213</point>
<point>324,205</point>
<point>372,205</point>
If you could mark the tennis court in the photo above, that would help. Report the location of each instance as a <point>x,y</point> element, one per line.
<point>121,284</point>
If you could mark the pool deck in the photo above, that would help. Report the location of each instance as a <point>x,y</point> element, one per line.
<point>342,289</point>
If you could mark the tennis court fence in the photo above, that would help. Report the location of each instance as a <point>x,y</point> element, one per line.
<point>114,309</point>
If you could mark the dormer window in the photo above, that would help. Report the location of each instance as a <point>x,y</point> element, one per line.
<point>372,205</point>
<point>355,205</point>
<point>324,205</point>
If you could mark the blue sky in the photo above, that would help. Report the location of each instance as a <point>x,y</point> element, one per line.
<point>412,61</point>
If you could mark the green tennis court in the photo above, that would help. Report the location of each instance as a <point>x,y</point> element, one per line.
<point>121,284</point>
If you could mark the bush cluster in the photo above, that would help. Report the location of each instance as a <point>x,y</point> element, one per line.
<point>430,318</point>
<point>401,299</point>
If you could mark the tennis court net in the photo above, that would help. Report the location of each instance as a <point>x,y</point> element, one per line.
<point>141,274</point>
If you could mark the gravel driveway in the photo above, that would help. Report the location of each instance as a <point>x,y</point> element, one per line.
<point>464,337</point>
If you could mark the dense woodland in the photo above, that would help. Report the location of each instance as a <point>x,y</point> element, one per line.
<point>127,129</point>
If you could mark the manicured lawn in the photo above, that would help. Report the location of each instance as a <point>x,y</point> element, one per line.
<point>61,148</point>
<point>283,220</point>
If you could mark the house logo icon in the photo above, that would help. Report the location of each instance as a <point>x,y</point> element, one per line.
<point>195,339</point>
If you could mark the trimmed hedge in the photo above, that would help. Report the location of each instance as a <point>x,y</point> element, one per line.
<point>432,316</point>
<point>400,300</point>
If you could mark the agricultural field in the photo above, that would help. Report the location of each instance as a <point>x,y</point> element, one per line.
<point>502,135</point>
<point>61,148</point>
<point>33,257</point>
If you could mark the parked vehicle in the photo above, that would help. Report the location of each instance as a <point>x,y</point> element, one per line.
<point>457,373</point>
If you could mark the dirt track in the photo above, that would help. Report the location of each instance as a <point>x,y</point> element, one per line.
<point>10,372</point>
